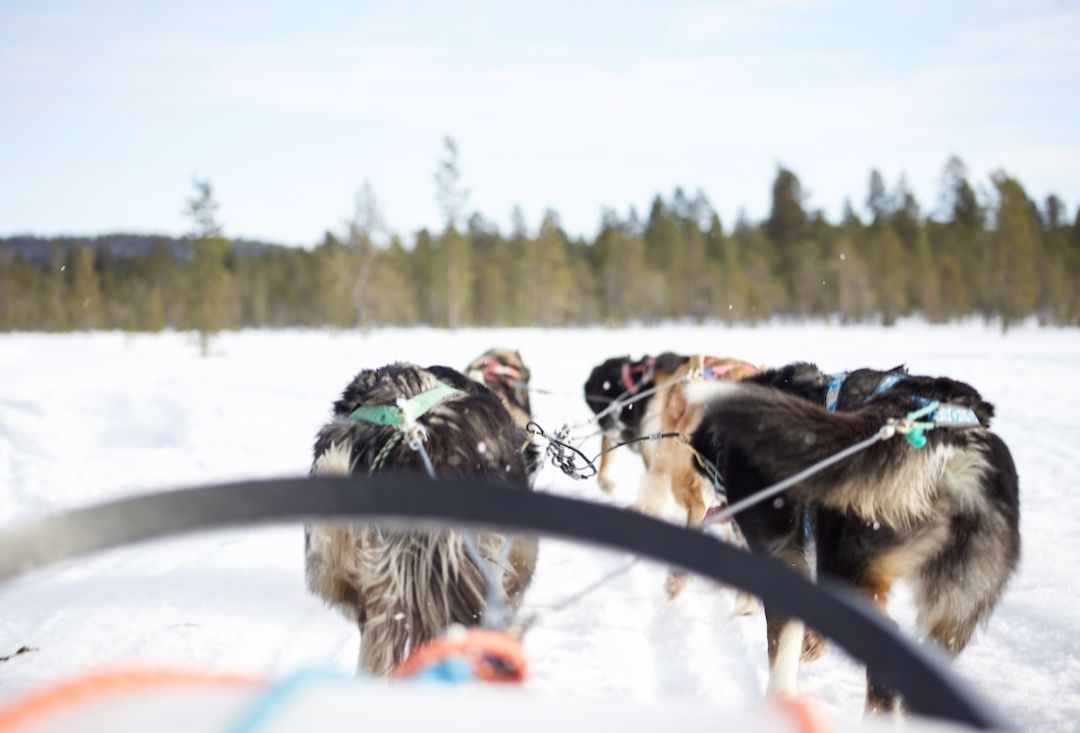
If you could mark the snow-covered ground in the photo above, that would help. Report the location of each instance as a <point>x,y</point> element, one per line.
<point>94,416</point>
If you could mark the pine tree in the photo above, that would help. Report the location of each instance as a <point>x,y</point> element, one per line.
<point>425,278</point>
<point>55,306</point>
<point>390,284</point>
<point>21,293</point>
<point>454,247</point>
<point>209,281</point>
<point>663,255</point>
<point>1013,249</point>
<point>787,229</point>
<point>84,301</point>
<point>489,279</point>
<point>766,292</point>
<point>886,253</point>
<point>730,295</point>
<point>1073,260</point>
<point>877,200</point>
<point>364,225</point>
<point>966,273</point>
<point>621,269</point>
<point>1052,264</point>
<point>551,281</point>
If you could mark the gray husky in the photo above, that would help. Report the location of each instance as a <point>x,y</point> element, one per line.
<point>404,587</point>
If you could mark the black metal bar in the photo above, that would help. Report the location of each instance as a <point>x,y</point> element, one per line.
<point>921,675</point>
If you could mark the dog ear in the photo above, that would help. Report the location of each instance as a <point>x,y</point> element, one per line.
<point>899,369</point>
<point>669,361</point>
<point>803,371</point>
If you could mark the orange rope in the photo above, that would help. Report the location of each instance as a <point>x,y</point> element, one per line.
<point>478,646</point>
<point>806,717</point>
<point>72,693</point>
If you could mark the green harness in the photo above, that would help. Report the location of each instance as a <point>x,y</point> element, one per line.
<point>401,416</point>
<point>406,411</point>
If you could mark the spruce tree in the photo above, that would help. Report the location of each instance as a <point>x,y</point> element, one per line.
<point>84,301</point>
<point>1013,250</point>
<point>363,227</point>
<point>787,230</point>
<point>209,280</point>
<point>55,306</point>
<point>454,247</point>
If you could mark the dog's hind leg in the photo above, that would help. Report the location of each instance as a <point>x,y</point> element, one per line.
<point>880,698</point>
<point>784,634</point>
<point>687,488</point>
<point>522,561</point>
<point>602,477</point>
<point>655,488</point>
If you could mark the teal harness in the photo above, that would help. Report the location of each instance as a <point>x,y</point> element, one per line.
<point>942,415</point>
<point>403,416</point>
<point>406,411</point>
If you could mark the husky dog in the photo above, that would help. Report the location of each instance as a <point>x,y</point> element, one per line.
<point>670,470</point>
<point>944,516</point>
<point>620,379</point>
<point>404,587</point>
<point>504,372</point>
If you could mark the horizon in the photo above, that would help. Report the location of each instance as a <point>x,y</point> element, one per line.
<point>110,110</point>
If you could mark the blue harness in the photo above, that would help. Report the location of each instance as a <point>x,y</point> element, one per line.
<point>947,415</point>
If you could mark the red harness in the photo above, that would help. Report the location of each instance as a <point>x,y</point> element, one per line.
<point>644,369</point>
<point>494,370</point>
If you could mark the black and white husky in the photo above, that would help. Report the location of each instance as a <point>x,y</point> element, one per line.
<point>403,588</point>
<point>620,379</point>
<point>944,516</point>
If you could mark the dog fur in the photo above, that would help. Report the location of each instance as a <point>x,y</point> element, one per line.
<point>671,471</point>
<point>621,377</point>
<point>504,372</point>
<point>404,587</point>
<point>945,517</point>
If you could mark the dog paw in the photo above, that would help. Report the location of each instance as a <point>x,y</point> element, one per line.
<point>813,645</point>
<point>746,604</point>
<point>606,485</point>
<point>676,581</point>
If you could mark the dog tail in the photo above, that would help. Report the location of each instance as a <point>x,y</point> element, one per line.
<point>779,434</point>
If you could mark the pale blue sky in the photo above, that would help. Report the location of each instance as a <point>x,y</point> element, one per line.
<point>108,108</point>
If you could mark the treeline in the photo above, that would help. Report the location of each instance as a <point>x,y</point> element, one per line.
<point>997,254</point>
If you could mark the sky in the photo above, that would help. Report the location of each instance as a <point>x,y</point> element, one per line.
<point>109,110</point>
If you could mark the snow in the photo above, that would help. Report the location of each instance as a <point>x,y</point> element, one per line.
<point>88,417</point>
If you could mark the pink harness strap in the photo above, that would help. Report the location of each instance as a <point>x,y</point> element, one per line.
<point>718,371</point>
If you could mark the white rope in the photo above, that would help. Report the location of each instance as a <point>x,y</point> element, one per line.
<point>887,431</point>
<point>618,403</point>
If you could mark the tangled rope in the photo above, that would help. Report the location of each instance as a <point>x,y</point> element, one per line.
<point>572,461</point>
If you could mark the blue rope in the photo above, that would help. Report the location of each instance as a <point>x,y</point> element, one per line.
<point>274,698</point>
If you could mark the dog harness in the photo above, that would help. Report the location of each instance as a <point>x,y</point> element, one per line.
<point>645,369</point>
<point>406,410</point>
<point>946,414</point>
<point>493,370</point>
<point>717,371</point>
